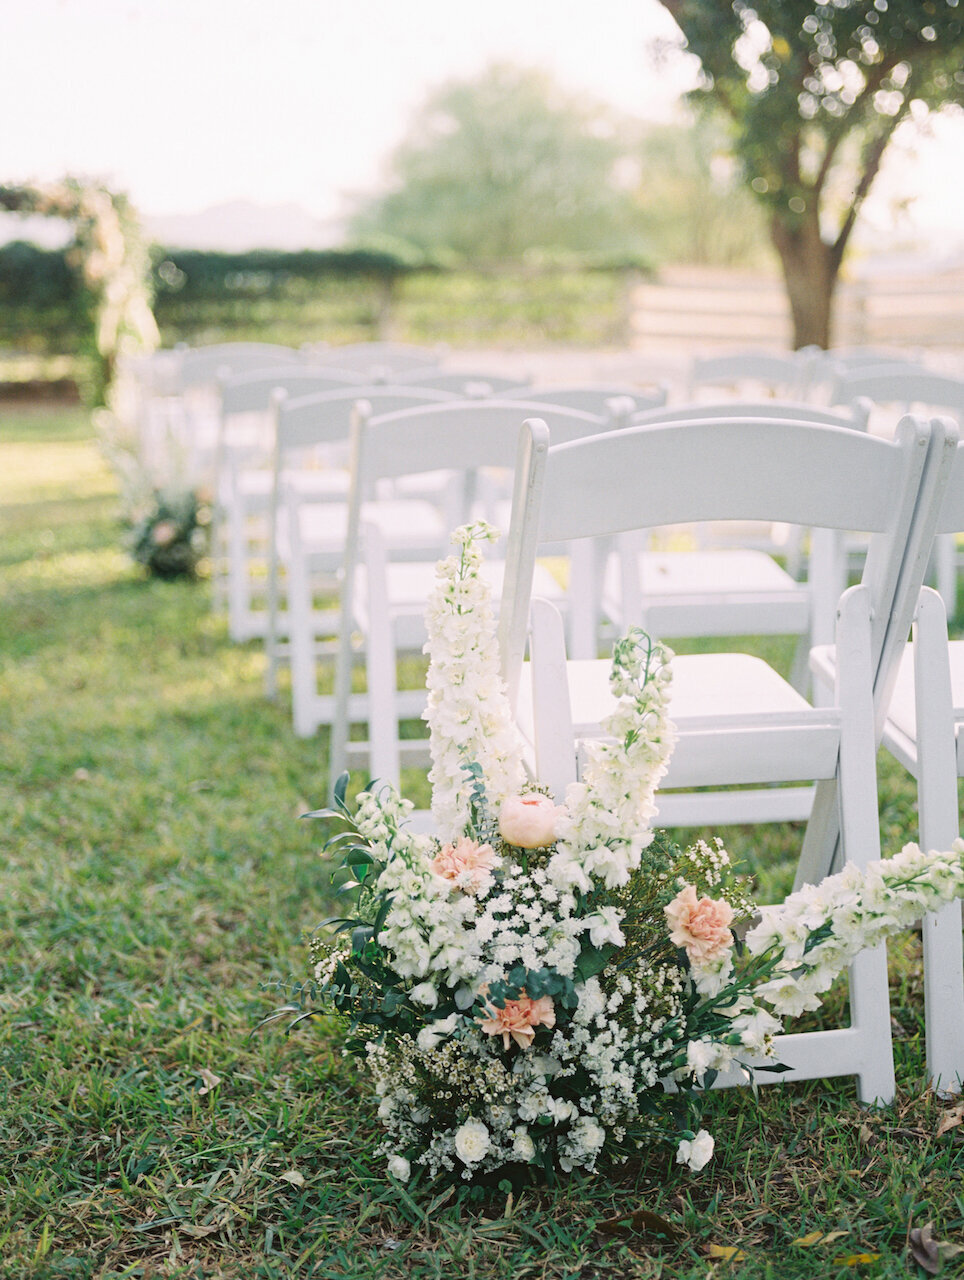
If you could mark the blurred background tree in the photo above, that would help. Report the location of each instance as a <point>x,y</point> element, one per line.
<point>500,166</point>
<point>693,206</point>
<point>815,92</point>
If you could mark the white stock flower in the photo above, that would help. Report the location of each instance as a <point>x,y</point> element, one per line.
<point>399,1168</point>
<point>695,1152</point>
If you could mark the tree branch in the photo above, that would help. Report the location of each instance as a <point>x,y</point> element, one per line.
<point>874,156</point>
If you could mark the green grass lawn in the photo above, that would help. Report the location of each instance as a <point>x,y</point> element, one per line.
<point>155,876</point>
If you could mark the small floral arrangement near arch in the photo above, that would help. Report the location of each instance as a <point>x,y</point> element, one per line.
<point>538,988</point>
<point>170,535</point>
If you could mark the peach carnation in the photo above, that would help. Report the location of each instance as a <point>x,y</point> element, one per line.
<point>465,863</point>
<point>701,925</point>
<point>517,1019</point>
<point>529,822</point>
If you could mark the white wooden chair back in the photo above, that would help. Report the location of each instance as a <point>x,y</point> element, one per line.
<point>598,399</point>
<point>900,384</point>
<point>384,357</point>
<point>783,374</point>
<point>728,469</point>
<point>470,385</point>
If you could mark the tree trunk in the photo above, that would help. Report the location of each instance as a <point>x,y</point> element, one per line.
<point>810,268</point>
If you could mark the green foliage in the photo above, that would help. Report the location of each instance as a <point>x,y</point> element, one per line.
<point>111,299</point>
<point>499,166</point>
<point>154,869</point>
<point>693,204</point>
<point>815,92</point>
<point>197,275</point>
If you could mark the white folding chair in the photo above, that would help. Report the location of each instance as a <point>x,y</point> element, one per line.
<point>307,520</point>
<point>924,731</point>
<point>469,385</point>
<point>378,360</point>
<point>597,398</point>
<point>905,387</point>
<point>385,600</point>
<point>738,722</point>
<point>748,374</point>
<point>242,458</point>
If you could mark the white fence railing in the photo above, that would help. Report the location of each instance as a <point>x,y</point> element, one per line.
<point>713,307</point>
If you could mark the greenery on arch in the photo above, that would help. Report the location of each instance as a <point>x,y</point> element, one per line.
<point>110,255</point>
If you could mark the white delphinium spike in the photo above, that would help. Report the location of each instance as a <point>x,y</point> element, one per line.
<point>610,812</point>
<point>468,710</point>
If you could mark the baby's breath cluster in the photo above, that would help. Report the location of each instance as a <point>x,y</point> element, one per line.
<point>537,988</point>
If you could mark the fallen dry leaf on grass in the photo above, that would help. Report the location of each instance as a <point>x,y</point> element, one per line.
<point>725,1252</point>
<point>211,1081</point>
<point>818,1237</point>
<point>951,1119</point>
<point>641,1220</point>
<point>928,1252</point>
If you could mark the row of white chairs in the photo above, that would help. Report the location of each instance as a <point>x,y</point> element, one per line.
<point>741,723</point>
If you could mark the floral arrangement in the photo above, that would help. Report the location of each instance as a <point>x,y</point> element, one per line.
<point>538,987</point>
<point>170,533</point>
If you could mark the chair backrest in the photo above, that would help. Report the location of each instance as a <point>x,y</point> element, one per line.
<point>472,386</point>
<point>783,374</point>
<point>854,416</point>
<point>384,357</point>
<point>596,399</point>
<point>251,392</point>
<point>326,417</point>
<point>460,436</point>
<point>729,469</point>
<point>200,366</point>
<point>900,384</point>
<point>952,511</point>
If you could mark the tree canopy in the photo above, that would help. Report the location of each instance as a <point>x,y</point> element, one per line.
<point>504,164</point>
<point>815,92</point>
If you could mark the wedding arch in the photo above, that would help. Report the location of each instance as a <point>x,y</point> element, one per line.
<point>111,256</point>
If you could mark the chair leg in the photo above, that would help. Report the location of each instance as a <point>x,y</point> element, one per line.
<point>304,681</point>
<point>554,744</point>
<point>860,838</point>
<point>381,668</point>
<point>939,827</point>
<point>238,594</point>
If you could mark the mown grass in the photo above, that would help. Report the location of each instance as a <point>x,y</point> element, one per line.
<point>155,876</point>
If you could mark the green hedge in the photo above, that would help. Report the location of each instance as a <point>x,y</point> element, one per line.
<point>335,296</point>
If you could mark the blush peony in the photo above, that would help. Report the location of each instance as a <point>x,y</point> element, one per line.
<point>700,925</point>
<point>465,863</point>
<point>517,1019</point>
<point>529,822</point>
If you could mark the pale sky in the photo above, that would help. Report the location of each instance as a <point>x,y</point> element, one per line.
<point>188,103</point>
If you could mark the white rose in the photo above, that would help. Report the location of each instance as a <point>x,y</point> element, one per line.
<point>696,1152</point>
<point>399,1168</point>
<point>471,1141</point>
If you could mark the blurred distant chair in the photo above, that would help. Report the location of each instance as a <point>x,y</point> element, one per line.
<point>752,375</point>
<point>307,520</point>
<point>378,360</point>
<point>470,385</point>
<point>242,456</point>
<point>383,595</point>
<point>593,398</point>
